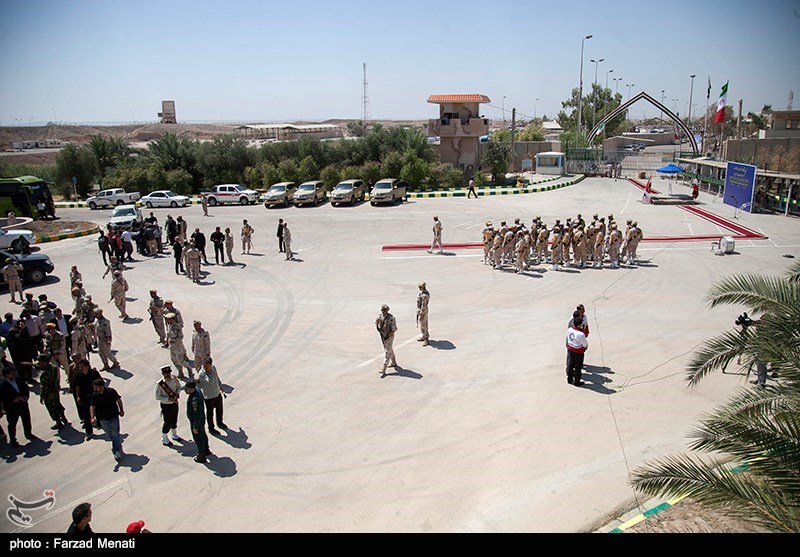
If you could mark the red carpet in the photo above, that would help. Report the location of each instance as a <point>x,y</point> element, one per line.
<point>738,231</point>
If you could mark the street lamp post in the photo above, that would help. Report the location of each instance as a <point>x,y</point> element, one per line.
<point>580,88</point>
<point>691,90</point>
<point>535,103</point>
<point>616,84</point>
<point>629,89</point>
<point>504,110</point>
<point>661,112</point>
<point>594,92</point>
<point>608,72</point>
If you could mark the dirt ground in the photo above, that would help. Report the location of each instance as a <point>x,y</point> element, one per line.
<point>58,226</point>
<point>689,517</point>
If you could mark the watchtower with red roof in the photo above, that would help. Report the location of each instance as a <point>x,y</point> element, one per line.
<point>459,128</point>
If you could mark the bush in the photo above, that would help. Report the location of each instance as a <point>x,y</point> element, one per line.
<point>329,176</point>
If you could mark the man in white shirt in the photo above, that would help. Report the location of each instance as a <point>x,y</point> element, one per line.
<point>127,243</point>
<point>576,347</point>
<point>211,386</point>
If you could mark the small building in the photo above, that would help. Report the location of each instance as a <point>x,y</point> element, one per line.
<point>288,132</point>
<point>459,128</point>
<point>783,124</point>
<point>552,130</point>
<point>167,113</point>
<point>550,162</point>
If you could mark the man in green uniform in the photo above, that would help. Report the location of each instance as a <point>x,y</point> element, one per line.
<point>195,411</point>
<point>50,393</point>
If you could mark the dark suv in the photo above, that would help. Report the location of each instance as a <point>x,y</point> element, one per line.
<point>35,266</point>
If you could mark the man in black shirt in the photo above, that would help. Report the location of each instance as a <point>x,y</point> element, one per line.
<point>281,246</point>
<point>200,243</point>
<point>84,390</point>
<point>81,516</point>
<point>177,253</point>
<point>218,239</point>
<point>172,229</point>
<point>106,410</point>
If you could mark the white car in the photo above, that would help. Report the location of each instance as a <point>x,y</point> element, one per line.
<point>16,239</point>
<point>164,198</point>
<point>124,216</point>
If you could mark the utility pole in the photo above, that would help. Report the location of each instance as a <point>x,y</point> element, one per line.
<point>739,122</point>
<point>594,90</point>
<point>689,110</point>
<point>661,112</point>
<point>580,88</point>
<point>513,139</point>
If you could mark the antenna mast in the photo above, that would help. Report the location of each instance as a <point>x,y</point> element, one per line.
<point>365,99</point>
<point>791,98</point>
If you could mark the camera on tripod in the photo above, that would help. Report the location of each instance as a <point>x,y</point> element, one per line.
<point>744,321</point>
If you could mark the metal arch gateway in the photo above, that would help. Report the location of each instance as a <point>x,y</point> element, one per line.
<point>623,107</point>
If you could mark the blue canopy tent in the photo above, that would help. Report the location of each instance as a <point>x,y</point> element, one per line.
<point>670,169</point>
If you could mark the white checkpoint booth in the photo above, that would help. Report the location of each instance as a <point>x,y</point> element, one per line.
<point>550,162</point>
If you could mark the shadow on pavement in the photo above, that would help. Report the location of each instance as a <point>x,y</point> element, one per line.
<point>402,372</point>
<point>442,344</point>
<point>136,462</point>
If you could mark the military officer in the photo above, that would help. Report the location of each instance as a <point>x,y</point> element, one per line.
<point>387,327</point>
<point>167,393</point>
<point>201,344</point>
<point>599,240</point>
<point>193,258</point>
<point>614,241</point>
<point>50,396</point>
<point>195,411</point>
<point>11,272</point>
<point>156,311</point>
<point>55,347</point>
<point>169,307</point>
<point>177,351</point>
<point>437,235</point>
<point>119,286</point>
<point>103,328</point>
<point>423,298</point>
<point>488,234</point>
<point>75,276</point>
<point>634,237</point>
<point>522,249</point>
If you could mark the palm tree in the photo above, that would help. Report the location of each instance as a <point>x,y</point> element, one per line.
<point>108,152</point>
<point>758,428</point>
<point>166,150</point>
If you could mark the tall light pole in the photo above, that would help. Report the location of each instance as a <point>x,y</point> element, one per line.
<point>580,88</point>
<point>594,93</point>
<point>535,103</point>
<point>661,112</point>
<point>608,72</point>
<point>675,106</point>
<point>504,110</point>
<point>629,89</point>
<point>691,90</point>
<point>616,84</point>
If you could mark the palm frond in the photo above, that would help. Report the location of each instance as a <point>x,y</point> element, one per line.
<point>715,354</point>
<point>744,495</point>
<point>759,293</point>
<point>793,272</point>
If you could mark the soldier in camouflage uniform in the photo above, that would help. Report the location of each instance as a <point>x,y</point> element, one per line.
<point>55,347</point>
<point>177,351</point>
<point>88,317</point>
<point>156,311</point>
<point>193,258</point>
<point>201,344</point>
<point>49,381</point>
<point>169,307</point>
<point>119,286</point>
<point>387,327</point>
<point>11,275</point>
<point>423,299</point>
<point>103,328</point>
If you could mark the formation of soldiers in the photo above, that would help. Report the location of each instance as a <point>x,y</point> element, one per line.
<point>574,243</point>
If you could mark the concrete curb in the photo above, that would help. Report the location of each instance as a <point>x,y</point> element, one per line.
<point>55,238</point>
<point>482,192</point>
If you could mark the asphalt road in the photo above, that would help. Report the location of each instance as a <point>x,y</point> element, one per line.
<point>478,432</point>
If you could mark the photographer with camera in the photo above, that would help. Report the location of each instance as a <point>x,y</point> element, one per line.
<point>744,321</point>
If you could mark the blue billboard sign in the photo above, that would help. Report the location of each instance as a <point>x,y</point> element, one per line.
<point>740,185</point>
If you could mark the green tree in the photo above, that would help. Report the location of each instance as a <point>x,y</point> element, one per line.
<point>288,171</point>
<point>330,176</point>
<point>502,135</point>
<point>405,139</point>
<point>270,174</point>
<point>179,181</point>
<point>497,156</point>
<point>223,160</point>
<point>415,170</point>
<point>357,129</point>
<point>597,102</point>
<point>308,169</point>
<point>252,177</point>
<point>532,132</point>
<point>167,151</point>
<point>454,178</point>
<point>107,152</point>
<point>391,165</point>
<point>759,428</point>
<point>75,161</point>
<point>370,172</point>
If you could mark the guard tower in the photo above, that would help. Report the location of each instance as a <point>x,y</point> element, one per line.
<point>459,128</point>
<point>167,113</point>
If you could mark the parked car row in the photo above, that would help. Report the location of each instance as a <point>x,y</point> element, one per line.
<point>284,194</point>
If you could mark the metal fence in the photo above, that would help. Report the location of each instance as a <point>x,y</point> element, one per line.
<point>595,162</point>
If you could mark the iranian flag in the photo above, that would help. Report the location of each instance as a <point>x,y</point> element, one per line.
<point>601,129</point>
<point>723,99</point>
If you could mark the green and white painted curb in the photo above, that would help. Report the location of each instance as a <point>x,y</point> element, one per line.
<point>482,192</point>
<point>56,237</point>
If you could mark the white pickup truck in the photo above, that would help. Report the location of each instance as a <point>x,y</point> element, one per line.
<point>231,193</point>
<point>111,198</point>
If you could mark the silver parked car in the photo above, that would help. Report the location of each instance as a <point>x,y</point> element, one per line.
<point>280,194</point>
<point>309,193</point>
<point>388,191</point>
<point>348,191</point>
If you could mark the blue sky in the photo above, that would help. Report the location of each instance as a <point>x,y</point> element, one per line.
<point>115,60</point>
